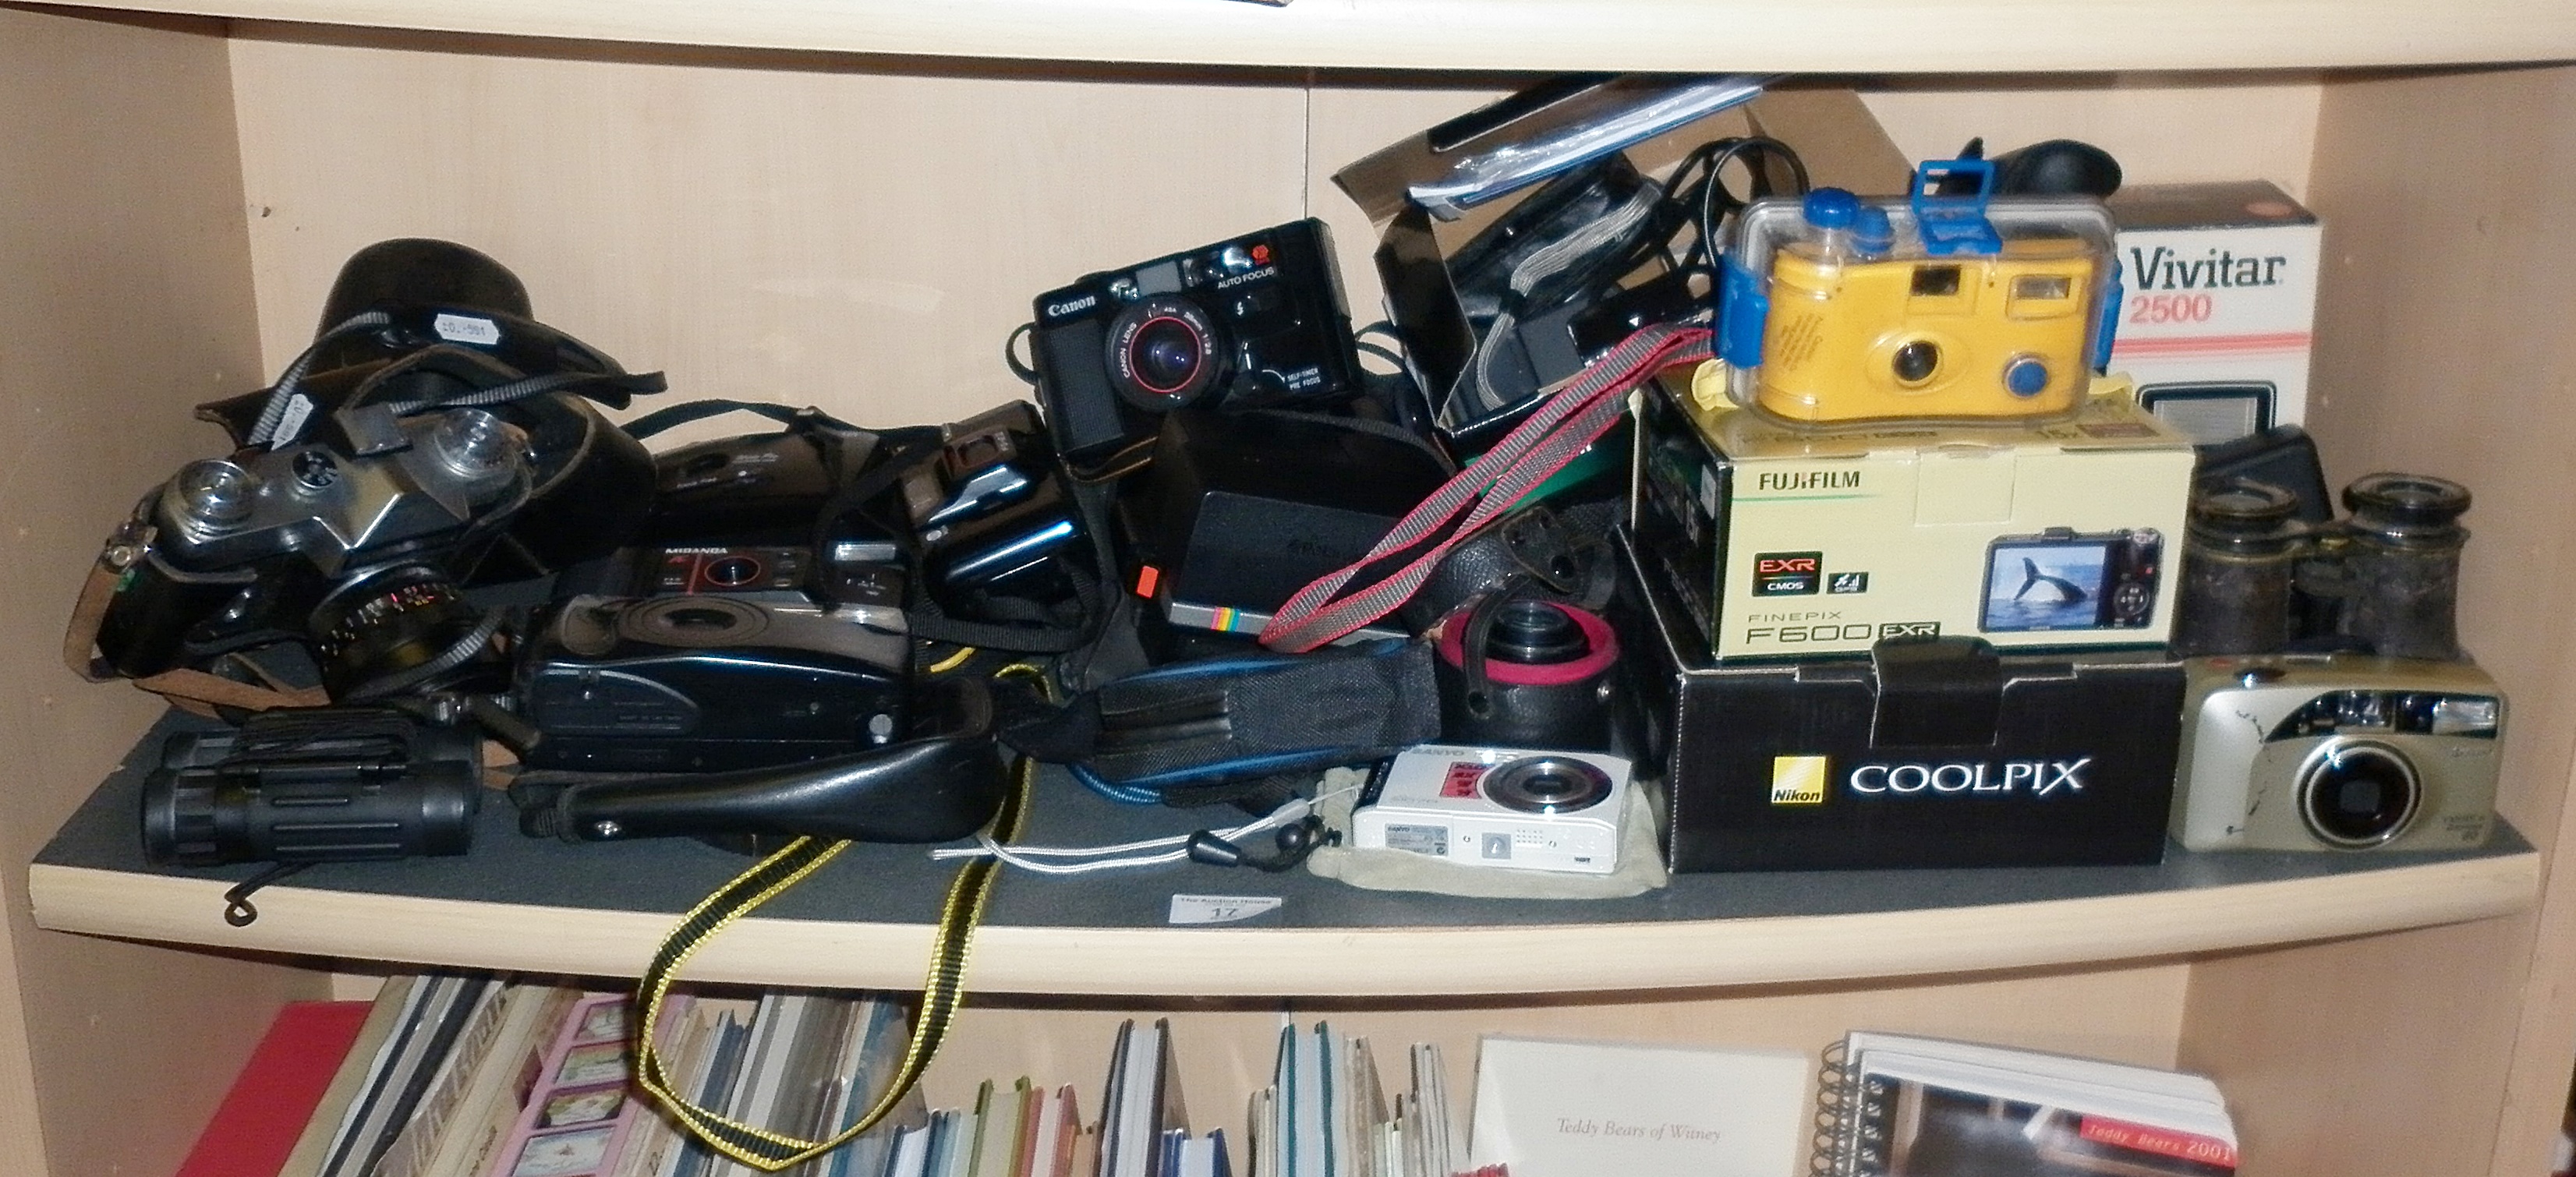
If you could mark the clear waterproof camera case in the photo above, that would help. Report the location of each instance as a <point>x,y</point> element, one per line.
<point>1950,304</point>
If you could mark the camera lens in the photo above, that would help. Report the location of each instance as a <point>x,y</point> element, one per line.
<point>1535,633</point>
<point>1547,784</point>
<point>1163,353</point>
<point>407,628</point>
<point>1167,353</point>
<point>2358,794</point>
<point>1914,363</point>
<point>693,621</point>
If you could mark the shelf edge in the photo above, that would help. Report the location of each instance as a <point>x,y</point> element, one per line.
<point>1750,35</point>
<point>1221,961</point>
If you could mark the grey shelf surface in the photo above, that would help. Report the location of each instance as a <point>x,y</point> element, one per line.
<point>92,878</point>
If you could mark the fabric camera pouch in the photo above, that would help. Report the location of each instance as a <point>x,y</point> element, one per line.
<point>1226,720</point>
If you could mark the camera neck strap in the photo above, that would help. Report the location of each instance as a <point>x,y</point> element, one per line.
<point>962,909</point>
<point>1562,428</point>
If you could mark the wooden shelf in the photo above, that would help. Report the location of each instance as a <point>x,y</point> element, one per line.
<point>1760,35</point>
<point>526,904</point>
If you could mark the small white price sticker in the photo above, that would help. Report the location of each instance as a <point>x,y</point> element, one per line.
<point>290,423</point>
<point>1221,909</point>
<point>466,329</point>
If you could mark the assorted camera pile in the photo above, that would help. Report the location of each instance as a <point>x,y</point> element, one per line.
<point>1896,576</point>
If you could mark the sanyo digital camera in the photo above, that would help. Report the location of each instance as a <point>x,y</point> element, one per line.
<point>1961,307</point>
<point>1503,807</point>
<point>2337,752</point>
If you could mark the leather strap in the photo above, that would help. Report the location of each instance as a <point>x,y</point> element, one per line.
<point>192,690</point>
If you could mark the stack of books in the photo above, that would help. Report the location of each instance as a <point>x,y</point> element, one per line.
<point>473,1076</point>
<point>450,1075</point>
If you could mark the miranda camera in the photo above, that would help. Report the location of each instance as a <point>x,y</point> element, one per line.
<point>421,434</point>
<point>2338,752</point>
<point>1255,322</point>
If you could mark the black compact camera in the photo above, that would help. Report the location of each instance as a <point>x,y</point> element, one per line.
<point>701,683</point>
<point>422,442</point>
<point>1254,322</point>
<point>762,517</point>
<point>2064,579</point>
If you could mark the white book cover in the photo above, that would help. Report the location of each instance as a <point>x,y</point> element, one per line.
<point>911,1153</point>
<point>1434,1131</point>
<point>1579,1109</point>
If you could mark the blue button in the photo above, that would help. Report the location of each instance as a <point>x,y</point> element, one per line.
<point>1831,208</point>
<point>2026,376</point>
<point>1872,234</point>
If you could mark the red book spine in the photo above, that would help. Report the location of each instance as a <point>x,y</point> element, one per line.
<point>255,1127</point>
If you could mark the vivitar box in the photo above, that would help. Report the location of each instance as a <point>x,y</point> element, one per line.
<point>1937,752</point>
<point>2221,304</point>
<point>1785,542</point>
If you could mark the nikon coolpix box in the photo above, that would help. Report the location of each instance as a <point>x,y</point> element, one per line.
<point>1937,752</point>
<point>1784,542</point>
<point>2222,301</point>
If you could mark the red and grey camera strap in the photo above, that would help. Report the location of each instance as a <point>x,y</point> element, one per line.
<point>1562,428</point>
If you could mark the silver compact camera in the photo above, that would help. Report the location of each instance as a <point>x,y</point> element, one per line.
<point>1497,807</point>
<point>2337,752</point>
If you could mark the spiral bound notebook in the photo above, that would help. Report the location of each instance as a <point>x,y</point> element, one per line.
<point>1892,1105</point>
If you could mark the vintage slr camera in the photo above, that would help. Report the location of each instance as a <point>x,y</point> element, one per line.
<point>1254,322</point>
<point>1950,306</point>
<point>419,438</point>
<point>2338,752</point>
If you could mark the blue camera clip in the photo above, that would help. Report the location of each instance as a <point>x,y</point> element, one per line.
<point>1950,224</point>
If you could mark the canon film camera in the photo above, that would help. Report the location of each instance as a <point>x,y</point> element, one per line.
<point>1255,322</point>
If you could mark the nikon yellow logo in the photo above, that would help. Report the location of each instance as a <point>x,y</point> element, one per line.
<point>1797,780</point>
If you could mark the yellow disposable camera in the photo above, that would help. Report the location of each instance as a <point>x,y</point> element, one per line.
<point>1937,307</point>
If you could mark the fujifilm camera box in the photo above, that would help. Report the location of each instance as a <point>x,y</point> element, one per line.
<point>1932,752</point>
<point>2221,304</point>
<point>1784,542</point>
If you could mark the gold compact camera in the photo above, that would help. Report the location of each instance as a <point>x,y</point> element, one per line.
<point>2337,752</point>
<point>1944,307</point>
